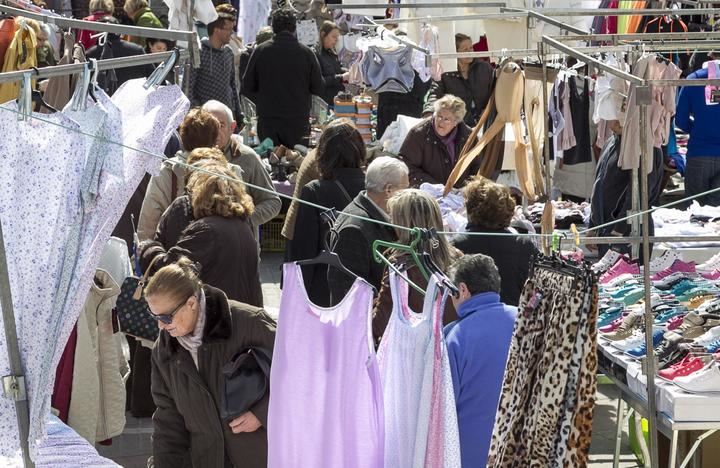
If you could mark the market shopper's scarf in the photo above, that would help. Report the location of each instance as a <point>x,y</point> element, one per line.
<point>448,140</point>
<point>192,342</point>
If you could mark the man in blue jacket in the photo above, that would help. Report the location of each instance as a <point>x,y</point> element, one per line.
<point>478,344</point>
<point>698,113</point>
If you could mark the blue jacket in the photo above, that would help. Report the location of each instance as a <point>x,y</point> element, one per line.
<point>478,345</point>
<point>703,127</point>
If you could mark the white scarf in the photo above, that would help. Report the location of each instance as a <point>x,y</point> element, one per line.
<point>192,341</point>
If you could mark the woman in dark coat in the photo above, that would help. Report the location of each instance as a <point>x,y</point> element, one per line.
<point>201,331</point>
<point>432,147</point>
<point>472,82</point>
<point>221,238</point>
<point>332,71</point>
<point>340,155</point>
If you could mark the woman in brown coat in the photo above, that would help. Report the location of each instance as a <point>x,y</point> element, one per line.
<point>221,238</point>
<point>200,331</point>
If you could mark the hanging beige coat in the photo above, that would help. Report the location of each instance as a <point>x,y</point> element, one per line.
<point>97,401</point>
<point>507,99</point>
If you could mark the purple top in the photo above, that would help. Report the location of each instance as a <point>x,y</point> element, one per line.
<point>326,406</point>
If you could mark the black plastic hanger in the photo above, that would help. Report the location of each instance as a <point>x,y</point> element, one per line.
<point>39,102</point>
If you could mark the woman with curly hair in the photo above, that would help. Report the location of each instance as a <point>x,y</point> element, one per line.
<point>490,208</point>
<point>219,236</point>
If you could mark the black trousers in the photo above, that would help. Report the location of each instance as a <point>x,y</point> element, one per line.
<point>287,132</point>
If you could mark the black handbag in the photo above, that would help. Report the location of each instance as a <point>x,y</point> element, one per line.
<point>132,309</point>
<point>246,379</point>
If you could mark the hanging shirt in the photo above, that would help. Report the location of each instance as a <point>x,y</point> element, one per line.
<point>55,247</point>
<point>326,402</point>
<point>20,55</point>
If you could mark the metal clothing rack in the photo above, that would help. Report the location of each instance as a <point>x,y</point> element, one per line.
<point>189,36</point>
<point>107,64</point>
<point>13,385</point>
<point>385,6</point>
<point>643,98</point>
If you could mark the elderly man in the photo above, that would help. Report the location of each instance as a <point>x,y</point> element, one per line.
<point>478,344</point>
<point>267,203</point>
<point>354,238</point>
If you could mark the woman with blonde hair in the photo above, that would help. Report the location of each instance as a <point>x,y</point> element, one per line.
<point>413,208</point>
<point>201,331</point>
<point>220,238</point>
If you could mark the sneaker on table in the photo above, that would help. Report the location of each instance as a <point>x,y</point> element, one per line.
<point>667,315</point>
<point>708,337</point>
<point>620,267</point>
<point>695,324</point>
<point>641,350</point>
<point>711,265</point>
<point>713,275</point>
<point>614,325</point>
<point>633,341</point>
<point>687,366</point>
<point>664,261</point>
<point>629,324</point>
<point>678,266</point>
<point>609,259</point>
<point>669,281</point>
<point>608,318</point>
<point>706,380</point>
<point>675,322</point>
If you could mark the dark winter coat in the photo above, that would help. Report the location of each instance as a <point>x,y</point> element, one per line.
<point>332,71</point>
<point>188,431</point>
<point>475,91</point>
<point>111,80</point>
<point>226,250</point>
<point>281,77</point>
<point>353,244</point>
<point>512,256</point>
<point>311,231</point>
<point>427,157</point>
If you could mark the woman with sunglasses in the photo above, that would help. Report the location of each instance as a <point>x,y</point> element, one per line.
<point>201,330</point>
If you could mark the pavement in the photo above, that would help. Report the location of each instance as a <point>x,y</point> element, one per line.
<point>133,447</point>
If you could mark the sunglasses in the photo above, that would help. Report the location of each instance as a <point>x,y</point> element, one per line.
<point>167,318</point>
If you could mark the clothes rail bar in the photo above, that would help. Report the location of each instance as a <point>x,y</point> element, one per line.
<point>619,12</point>
<point>386,6</point>
<point>383,33</point>
<point>488,53</point>
<point>189,36</point>
<point>106,64</point>
<point>649,38</point>
<point>440,19</point>
<point>14,385</point>
<point>544,17</point>
<point>588,59</point>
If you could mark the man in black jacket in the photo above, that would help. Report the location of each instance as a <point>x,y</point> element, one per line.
<point>354,237</point>
<point>280,79</point>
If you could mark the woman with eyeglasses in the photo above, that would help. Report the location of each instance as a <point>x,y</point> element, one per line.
<point>432,147</point>
<point>201,331</point>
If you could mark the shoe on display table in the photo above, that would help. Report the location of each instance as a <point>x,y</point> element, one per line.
<point>688,365</point>
<point>706,380</point>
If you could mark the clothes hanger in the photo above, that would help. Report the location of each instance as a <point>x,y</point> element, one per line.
<point>161,72</point>
<point>327,256</point>
<point>431,236</point>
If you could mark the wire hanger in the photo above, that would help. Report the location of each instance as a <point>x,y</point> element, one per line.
<point>161,72</point>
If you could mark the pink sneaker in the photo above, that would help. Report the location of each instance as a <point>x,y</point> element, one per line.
<point>712,276</point>
<point>675,322</point>
<point>621,267</point>
<point>614,325</point>
<point>678,266</point>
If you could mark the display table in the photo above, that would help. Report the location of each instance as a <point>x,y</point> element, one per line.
<point>285,188</point>
<point>678,412</point>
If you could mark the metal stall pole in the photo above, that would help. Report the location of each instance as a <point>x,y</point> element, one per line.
<point>545,242</point>
<point>644,98</point>
<point>14,384</point>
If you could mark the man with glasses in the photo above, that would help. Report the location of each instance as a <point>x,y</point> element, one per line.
<point>215,78</point>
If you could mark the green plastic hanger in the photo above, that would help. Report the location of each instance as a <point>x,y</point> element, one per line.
<point>411,249</point>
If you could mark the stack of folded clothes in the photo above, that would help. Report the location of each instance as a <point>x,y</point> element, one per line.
<point>685,300</point>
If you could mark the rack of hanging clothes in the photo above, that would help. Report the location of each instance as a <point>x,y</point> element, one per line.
<point>645,87</point>
<point>88,160</point>
<point>188,36</point>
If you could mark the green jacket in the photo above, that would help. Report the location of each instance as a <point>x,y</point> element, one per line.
<point>145,18</point>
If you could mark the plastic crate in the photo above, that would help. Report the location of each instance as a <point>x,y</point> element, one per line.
<point>271,239</point>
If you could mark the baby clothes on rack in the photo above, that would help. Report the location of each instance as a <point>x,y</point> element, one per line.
<point>326,405</point>
<point>430,41</point>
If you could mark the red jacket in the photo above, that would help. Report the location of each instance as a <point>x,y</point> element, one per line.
<point>84,36</point>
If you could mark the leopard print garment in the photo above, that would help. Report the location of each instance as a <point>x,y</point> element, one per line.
<point>543,362</point>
